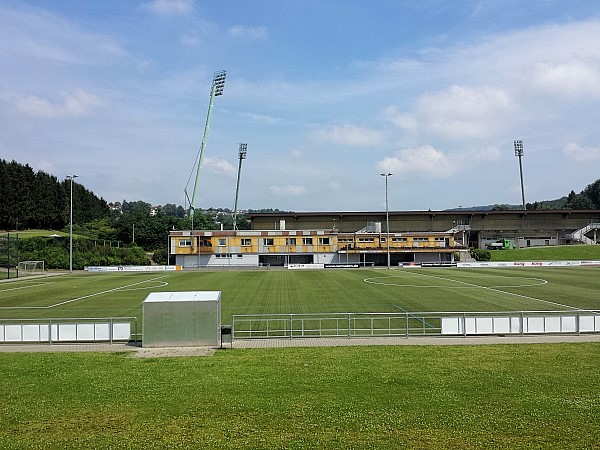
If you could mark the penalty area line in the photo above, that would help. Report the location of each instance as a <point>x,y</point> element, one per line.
<point>499,291</point>
<point>120,288</point>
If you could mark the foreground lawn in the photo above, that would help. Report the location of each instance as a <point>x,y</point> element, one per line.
<point>442,397</point>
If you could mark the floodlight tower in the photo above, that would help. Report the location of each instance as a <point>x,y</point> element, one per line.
<point>387,216</point>
<point>218,83</point>
<point>242,155</point>
<point>519,153</point>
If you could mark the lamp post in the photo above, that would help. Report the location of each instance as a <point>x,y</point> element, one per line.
<point>71,177</point>
<point>519,153</point>
<point>387,217</point>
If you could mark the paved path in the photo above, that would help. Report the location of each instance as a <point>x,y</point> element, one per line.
<point>145,352</point>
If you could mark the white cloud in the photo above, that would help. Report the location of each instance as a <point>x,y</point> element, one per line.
<point>219,166</point>
<point>481,154</point>
<point>77,103</point>
<point>46,37</point>
<point>465,112</point>
<point>582,153</point>
<point>350,135</point>
<point>403,121</point>
<point>289,189</point>
<point>253,33</point>
<point>263,118</point>
<point>336,186</point>
<point>421,160</point>
<point>191,39</point>
<point>170,7</point>
<point>573,79</point>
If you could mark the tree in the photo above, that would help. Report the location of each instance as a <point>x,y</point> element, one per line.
<point>592,192</point>
<point>579,201</point>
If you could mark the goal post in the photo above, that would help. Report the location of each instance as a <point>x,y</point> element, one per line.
<point>27,268</point>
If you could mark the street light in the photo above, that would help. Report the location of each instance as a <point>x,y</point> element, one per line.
<point>519,153</point>
<point>387,217</point>
<point>71,177</point>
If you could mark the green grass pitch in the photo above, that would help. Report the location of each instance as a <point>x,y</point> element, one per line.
<point>420,397</point>
<point>279,291</point>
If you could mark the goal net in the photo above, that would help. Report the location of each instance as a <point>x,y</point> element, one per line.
<point>26,268</point>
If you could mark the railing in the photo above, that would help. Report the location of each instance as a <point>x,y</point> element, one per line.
<point>55,330</point>
<point>290,326</point>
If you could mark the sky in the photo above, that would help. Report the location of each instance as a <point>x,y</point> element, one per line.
<point>327,95</point>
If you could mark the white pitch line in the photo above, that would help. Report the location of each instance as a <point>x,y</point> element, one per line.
<point>81,298</point>
<point>25,287</point>
<point>104,292</point>
<point>498,290</point>
<point>372,280</point>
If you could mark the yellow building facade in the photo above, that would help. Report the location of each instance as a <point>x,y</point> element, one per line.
<point>202,248</point>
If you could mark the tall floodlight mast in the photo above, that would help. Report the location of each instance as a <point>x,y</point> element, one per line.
<point>242,155</point>
<point>519,153</point>
<point>218,83</point>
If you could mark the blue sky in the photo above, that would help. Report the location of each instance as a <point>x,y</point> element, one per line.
<point>327,95</point>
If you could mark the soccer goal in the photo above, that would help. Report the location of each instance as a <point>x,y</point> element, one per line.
<point>26,268</point>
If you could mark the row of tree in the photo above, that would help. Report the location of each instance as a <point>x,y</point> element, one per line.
<point>30,199</point>
<point>103,232</point>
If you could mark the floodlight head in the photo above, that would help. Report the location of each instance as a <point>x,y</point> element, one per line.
<point>243,150</point>
<point>518,148</point>
<point>219,82</point>
<point>386,174</point>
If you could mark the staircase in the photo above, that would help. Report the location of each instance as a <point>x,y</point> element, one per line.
<point>458,228</point>
<point>580,235</point>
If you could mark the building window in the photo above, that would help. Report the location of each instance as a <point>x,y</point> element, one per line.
<point>307,241</point>
<point>222,242</point>
<point>290,241</point>
<point>240,256</point>
<point>397,239</point>
<point>366,240</point>
<point>267,241</point>
<point>324,241</point>
<point>246,242</point>
<point>185,242</point>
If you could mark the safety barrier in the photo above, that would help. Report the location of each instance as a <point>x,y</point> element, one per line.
<point>68,330</point>
<point>290,326</point>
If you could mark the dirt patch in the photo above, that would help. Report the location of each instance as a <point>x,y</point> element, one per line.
<point>168,352</point>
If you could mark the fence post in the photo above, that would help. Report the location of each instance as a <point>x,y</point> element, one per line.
<point>349,325</point>
<point>291,326</point>
<point>522,324</point>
